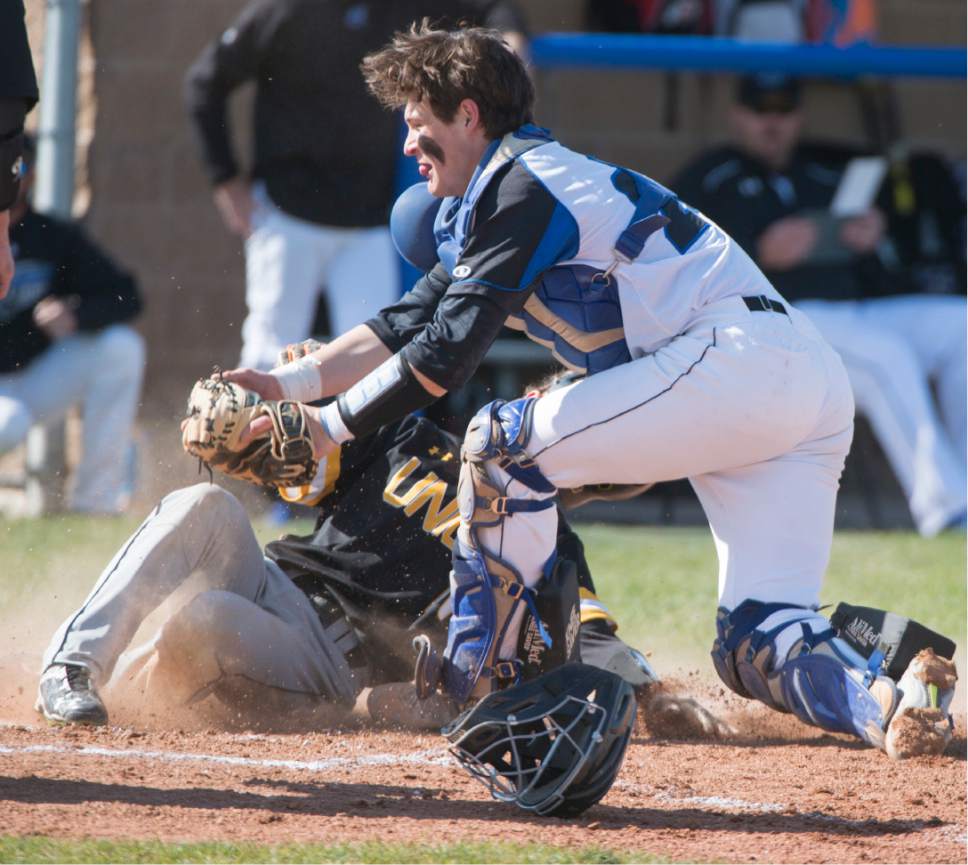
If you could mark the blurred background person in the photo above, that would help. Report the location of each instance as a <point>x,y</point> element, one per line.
<point>679,17</point>
<point>313,208</point>
<point>18,94</point>
<point>65,339</point>
<point>772,193</point>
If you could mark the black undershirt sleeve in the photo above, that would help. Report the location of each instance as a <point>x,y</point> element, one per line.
<point>399,323</point>
<point>450,350</point>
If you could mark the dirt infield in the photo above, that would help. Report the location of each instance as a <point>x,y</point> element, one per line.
<point>777,792</point>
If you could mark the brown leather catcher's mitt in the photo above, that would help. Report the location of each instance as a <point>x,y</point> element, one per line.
<point>218,412</point>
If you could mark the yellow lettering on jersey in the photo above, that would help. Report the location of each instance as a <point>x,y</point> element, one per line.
<point>399,476</point>
<point>429,491</point>
<point>448,528</point>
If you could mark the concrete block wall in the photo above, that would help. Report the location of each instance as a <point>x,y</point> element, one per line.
<point>152,205</point>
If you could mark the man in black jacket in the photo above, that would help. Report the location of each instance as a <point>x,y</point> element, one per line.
<point>18,94</point>
<point>64,339</point>
<point>859,279</point>
<point>314,207</point>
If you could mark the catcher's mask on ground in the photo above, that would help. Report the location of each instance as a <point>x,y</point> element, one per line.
<point>553,745</point>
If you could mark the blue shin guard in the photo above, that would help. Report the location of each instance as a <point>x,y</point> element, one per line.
<point>824,692</point>
<point>820,679</point>
<point>485,594</point>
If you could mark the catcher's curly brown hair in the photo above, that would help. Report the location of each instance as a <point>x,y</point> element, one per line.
<point>444,67</point>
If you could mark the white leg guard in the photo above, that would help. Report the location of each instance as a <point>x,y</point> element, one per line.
<point>488,594</point>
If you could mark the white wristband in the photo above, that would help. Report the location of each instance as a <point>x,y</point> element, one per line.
<point>299,379</point>
<point>332,422</point>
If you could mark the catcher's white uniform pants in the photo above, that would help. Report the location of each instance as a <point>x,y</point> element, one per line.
<point>753,407</point>
<point>289,261</point>
<point>893,349</point>
<point>103,372</point>
<point>248,624</point>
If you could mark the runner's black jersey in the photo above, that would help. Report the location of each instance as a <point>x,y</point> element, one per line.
<point>382,543</point>
<point>384,532</point>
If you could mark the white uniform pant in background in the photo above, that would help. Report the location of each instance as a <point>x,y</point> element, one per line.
<point>103,372</point>
<point>894,348</point>
<point>249,624</point>
<point>753,407</point>
<point>289,262</point>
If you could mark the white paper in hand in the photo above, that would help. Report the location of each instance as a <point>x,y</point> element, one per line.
<point>858,187</point>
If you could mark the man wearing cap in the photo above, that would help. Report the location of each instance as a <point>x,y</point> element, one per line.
<point>772,193</point>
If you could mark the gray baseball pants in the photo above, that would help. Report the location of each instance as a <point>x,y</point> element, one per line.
<point>249,624</point>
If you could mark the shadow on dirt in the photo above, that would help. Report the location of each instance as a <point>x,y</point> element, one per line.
<point>957,749</point>
<point>380,801</point>
<point>744,741</point>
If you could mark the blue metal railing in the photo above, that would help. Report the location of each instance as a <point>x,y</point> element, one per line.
<point>697,53</point>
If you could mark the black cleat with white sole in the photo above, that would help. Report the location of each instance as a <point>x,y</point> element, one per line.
<point>66,696</point>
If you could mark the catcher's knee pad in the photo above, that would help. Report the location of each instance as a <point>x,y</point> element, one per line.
<point>791,659</point>
<point>486,590</point>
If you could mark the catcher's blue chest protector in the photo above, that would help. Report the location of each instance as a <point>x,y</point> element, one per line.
<point>603,215</point>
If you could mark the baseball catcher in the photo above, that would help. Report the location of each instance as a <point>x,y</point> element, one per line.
<point>671,324</point>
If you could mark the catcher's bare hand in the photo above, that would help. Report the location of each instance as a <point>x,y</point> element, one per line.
<point>262,383</point>
<point>296,350</point>
<point>323,445</point>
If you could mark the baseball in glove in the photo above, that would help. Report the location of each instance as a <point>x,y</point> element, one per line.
<point>218,413</point>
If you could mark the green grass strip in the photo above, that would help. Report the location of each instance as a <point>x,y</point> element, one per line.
<point>42,849</point>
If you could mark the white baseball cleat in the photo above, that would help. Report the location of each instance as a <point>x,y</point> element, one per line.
<point>921,724</point>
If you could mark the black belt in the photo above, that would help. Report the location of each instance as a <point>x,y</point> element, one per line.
<point>762,303</point>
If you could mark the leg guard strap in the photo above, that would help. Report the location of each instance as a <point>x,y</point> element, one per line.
<point>503,505</point>
<point>486,592</point>
<point>733,627</point>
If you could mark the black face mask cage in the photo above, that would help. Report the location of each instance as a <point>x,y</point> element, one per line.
<point>532,753</point>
